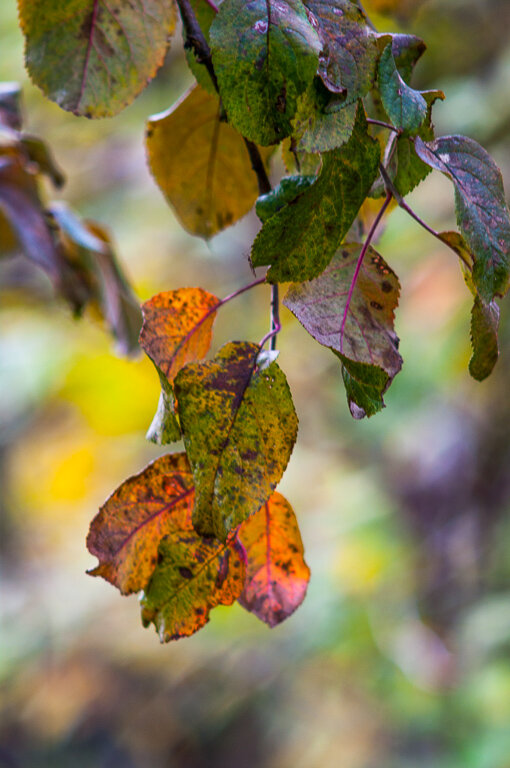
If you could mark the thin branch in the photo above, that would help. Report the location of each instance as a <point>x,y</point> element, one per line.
<point>248,287</point>
<point>275,313</point>
<point>258,166</point>
<point>359,263</point>
<point>195,38</point>
<point>212,5</point>
<point>271,335</point>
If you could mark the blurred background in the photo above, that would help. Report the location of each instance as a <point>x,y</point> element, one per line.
<point>400,655</point>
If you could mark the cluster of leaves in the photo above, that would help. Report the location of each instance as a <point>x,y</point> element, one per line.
<point>77,255</point>
<point>205,527</point>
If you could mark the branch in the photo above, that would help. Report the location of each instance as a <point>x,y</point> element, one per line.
<point>275,313</point>
<point>195,38</point>
<point>359,263</point>
<point>389,126</point>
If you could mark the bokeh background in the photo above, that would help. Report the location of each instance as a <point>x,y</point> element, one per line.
<point>400,655</point>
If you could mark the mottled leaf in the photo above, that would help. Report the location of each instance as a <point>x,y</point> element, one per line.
<point>323,122</point>
<point>482,211</point>
<point>364,385</point>
<point>201,164</point>
<point>349,47</point>
<point>484,339</point>
<point>239,427</point>
<point>276,573</point>
<point>93,57</point>
<point>407,50</point>
<point>300,239</point>
<point>359,328</point>
<point>126,532</point>
<point>287,190</point>
<point>177,328</point>
<point>406,108</point>
<point>297,161</point>
<point>265,54</point>
<point>193,576</point>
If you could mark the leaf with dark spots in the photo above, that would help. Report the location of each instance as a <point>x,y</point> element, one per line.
<point>323,122</point>
<point>93,57</point>
<point>193,576</point>
<point>265,55</point>
<point>201,164</point>
<point>276,573</point>
<point>300,240</point>
<point>350,49</point>
<point>355,321</point>
<point>126,532</point>
<point>239,427</point>
<point>482,212</point>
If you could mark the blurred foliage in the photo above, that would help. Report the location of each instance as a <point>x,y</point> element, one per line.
<point>399,657</point>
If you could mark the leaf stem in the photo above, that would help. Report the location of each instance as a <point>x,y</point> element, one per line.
<point>275,313</point>
<point>359,264</point>
<point>389,126</point>
<point>240,290</point>
<point>212,5</point>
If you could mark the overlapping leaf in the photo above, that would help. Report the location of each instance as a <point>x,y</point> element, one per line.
<point>177,328</point>
<point>482,211</point>
<point>193,575</point>
<point>322,121</point>
<point>239,427</point>
<point>300,239</point>
<point>201,164</point>
<point>276,573</point>
<point>265,54</point>
<point>349,47</point>
<point>406,108</point>
<point>92,57</point>
<point>358,327</point>
<point>126,533</point>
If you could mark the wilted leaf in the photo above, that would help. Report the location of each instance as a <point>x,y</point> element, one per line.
<point>300,239</point>
<point>482,211</point>
<point>322,121</point>
<point>125,535</point>
<point>93,58</point>
<point>193,576</point>
<point>201,164</point>
<point>406,108</point>
<point>360,332</point>
<point>484,339</point>
<point>239,427</point>
<point>265,54</point>
<point>276,573</point>
<point>349,47</point>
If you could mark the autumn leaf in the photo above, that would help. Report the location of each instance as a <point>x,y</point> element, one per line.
<point>300,239</point>
<point>239,427</point>
<point>482,212</point>
<point>355,322</point>
<point>322,122</point>
<point>265,54</point>
<point>201,164</point>
<point>276,573</point>
<point>349,47</point>
<point>126,532</point>
<point>91,57</point>
<point>193,575</point>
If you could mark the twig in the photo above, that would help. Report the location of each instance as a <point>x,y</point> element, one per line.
<point>212,5</point>
<point>359,263</point>
<point>195,38</point>
<point>389,126</point>
<point>275,313</point>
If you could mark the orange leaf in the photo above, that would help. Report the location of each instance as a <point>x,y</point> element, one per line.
<point>177,328</point>
<point>126,532</point>
<point>277,575</point>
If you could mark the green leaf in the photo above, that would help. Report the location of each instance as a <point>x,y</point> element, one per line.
<point>355,321</point>
<point>287,190</point>
<point>239,427</point>
<point>300,240</point>
<point>276,573</point>
<point>406,108</point>
<point>201,164</point>
<point>482,212</point>
<point>349,48</point>
<point>322,121</point>
<point>265,54</point>
<point>192,577</point>
<point>126,532</point>
<point>91,57</point>
<point>484,339</point>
